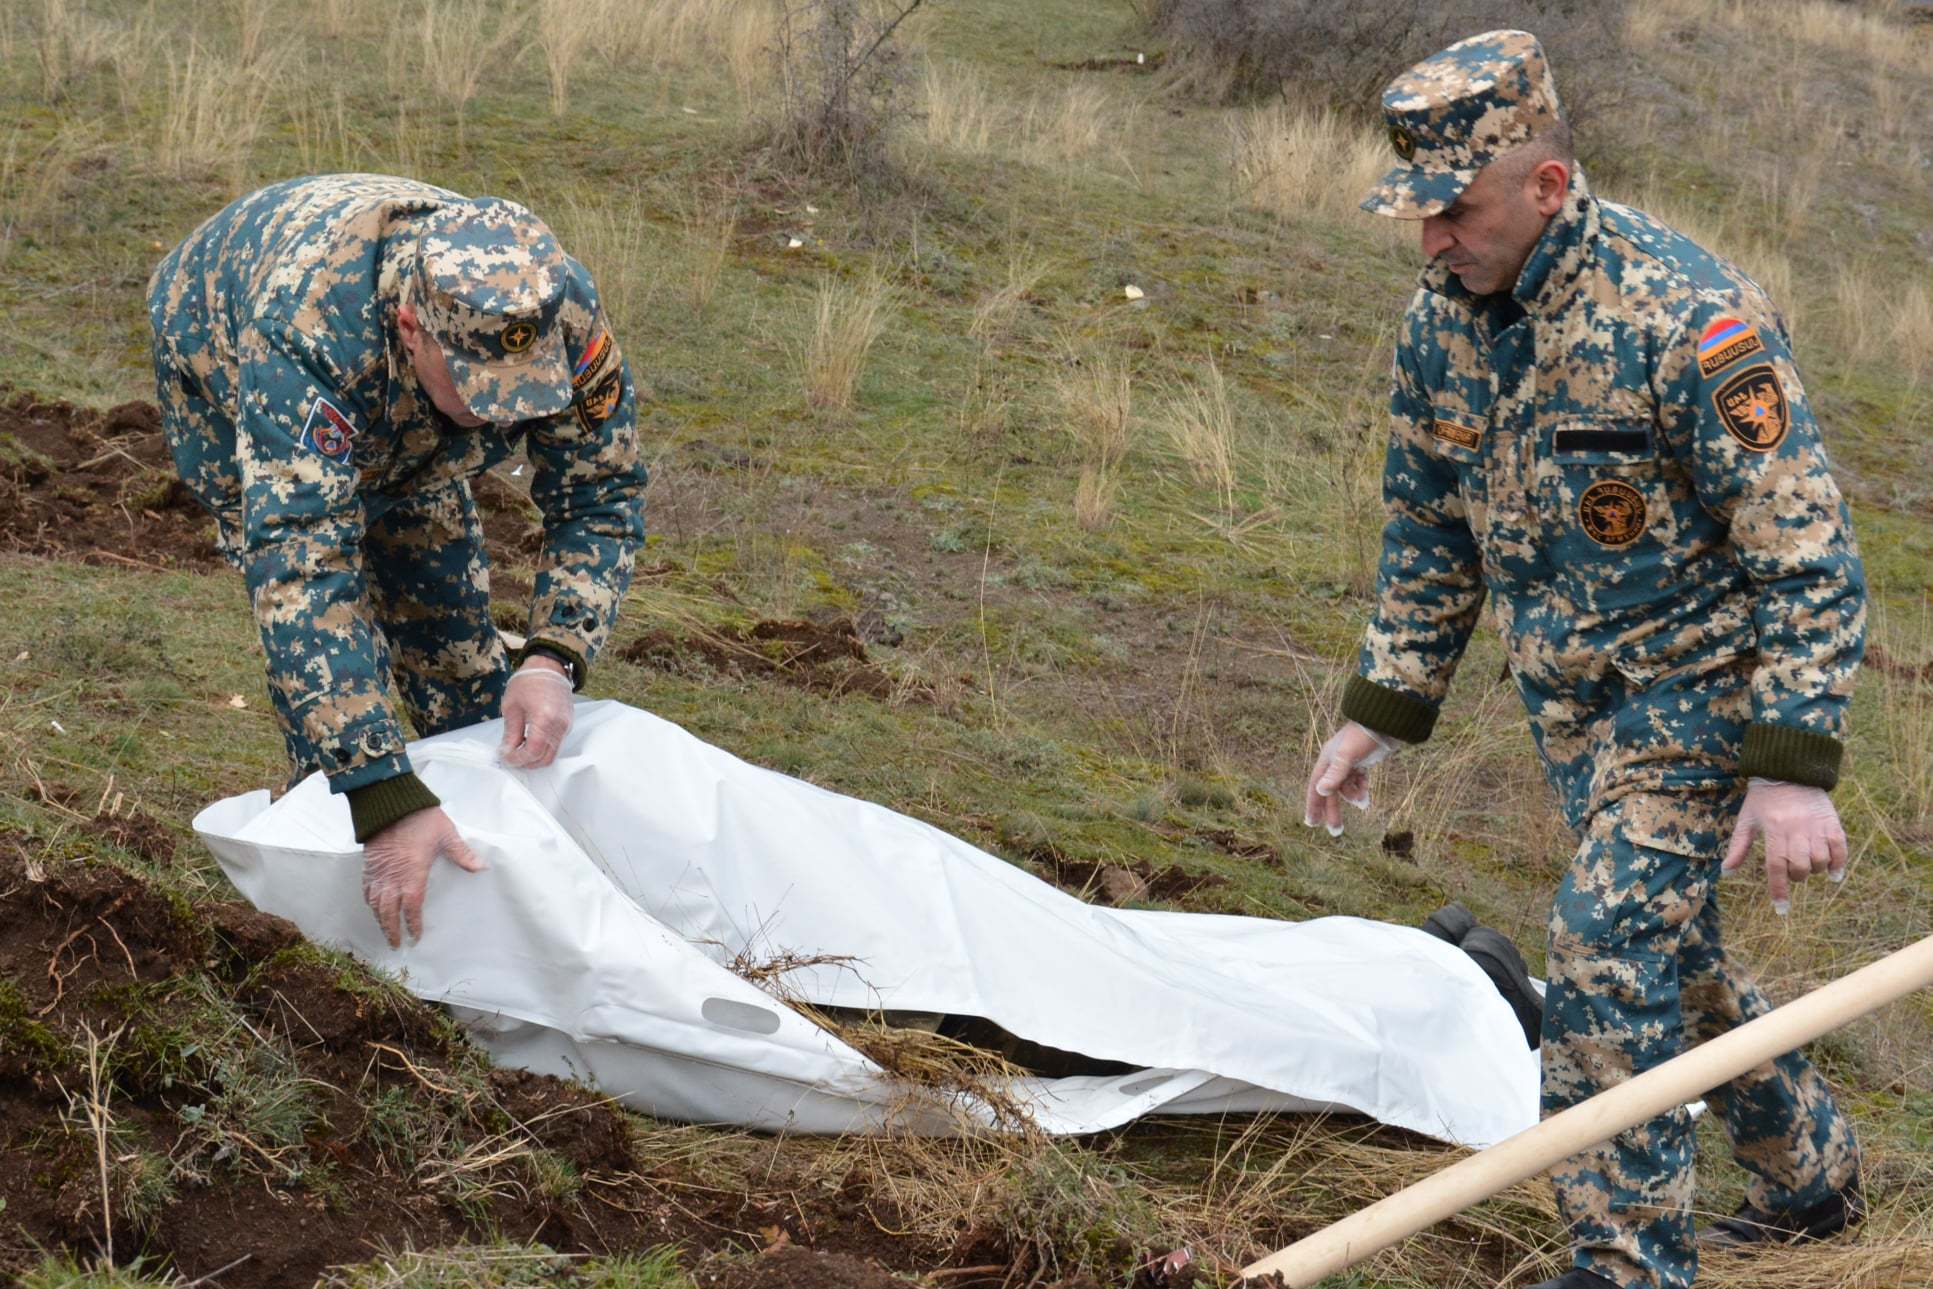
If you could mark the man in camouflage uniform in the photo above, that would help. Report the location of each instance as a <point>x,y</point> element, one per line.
<point>1599,424</point>
<point>335,358</point>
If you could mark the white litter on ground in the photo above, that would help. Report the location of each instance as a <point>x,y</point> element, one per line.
<point>625,876</point>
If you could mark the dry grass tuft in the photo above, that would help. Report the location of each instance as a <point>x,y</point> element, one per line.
<point>683,35</point>
<point>709,226</point>
<point>959,115</point>
<point>612,235</point>
<point>213,113</point>
<point>564,31</point>
<point>1096,401</point>
<point>69,44</point>
<point>1072,126</point>
<point>1201,425</point>
<point>34,179</point>
<point>846,322</point>
<point>460,40</point>
<point>1298,161</point>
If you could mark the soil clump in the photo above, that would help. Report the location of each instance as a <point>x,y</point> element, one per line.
<point>823,657</point>
<point>96,487</point>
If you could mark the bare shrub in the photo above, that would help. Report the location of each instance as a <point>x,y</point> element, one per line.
<point>847,321</point>
<point>842,85</point>
<point>1246,50</point>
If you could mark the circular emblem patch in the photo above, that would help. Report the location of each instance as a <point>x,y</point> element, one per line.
<point>1403,141</point>
<point>1752,405</point>
<point>1612,512</point>
<point>519,336</point>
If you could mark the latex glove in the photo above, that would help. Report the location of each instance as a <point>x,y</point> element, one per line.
<point>396,868</point>
<point>537,711</point>
<point>1802,836</point>
<point>1338,775</point>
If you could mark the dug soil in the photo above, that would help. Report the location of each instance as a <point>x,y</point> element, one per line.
<point>258,1106</point>
<point>825,657</point>
<point>95,487</point>
<point>98,487</point>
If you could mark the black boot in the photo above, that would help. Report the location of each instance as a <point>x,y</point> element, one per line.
<point>1750,1226</point>
<point>1577,1278</point>
<point>1451,923</point>
<point>1501,962</point>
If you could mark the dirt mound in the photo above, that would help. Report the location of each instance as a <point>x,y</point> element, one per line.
<point>95,486</point>
<point>824,657</point>
<point>259,1100</point>
<point>794,1268</point>
<point>199,1085</point>
<point>99,487</point>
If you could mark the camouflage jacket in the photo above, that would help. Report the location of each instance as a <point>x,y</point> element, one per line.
<point>1620,452</point>
<point>282,310</point>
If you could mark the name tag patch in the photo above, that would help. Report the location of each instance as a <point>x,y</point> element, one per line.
<point>327,431</point>
<point>1463,436</point>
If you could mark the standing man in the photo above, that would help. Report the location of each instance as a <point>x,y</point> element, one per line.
<point>335,358</point>
<point>1600,423</point>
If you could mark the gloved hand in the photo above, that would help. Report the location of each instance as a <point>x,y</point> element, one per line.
<point>1338,775</point>
<point>396,868</point>
<point>1802,836</point>
<point>537,712</point>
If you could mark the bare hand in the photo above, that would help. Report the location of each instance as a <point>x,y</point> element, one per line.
<point>1338,775</point>
<point>1802,836</point>
<point>537,711</point>
<point>396,868</point>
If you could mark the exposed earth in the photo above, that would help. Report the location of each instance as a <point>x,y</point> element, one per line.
<point>262,1112</point>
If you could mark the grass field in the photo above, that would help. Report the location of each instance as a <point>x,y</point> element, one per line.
<point>1082,422</point>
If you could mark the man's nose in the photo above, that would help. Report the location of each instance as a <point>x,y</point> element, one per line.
<point>1436,237</point>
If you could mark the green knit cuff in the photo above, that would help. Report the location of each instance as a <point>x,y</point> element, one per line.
<point>1387,711</point>
<point>579,668</point>
<point>1796,756</point>
<point>375,806</point>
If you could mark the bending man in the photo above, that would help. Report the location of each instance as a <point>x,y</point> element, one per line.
<point>335,358</point>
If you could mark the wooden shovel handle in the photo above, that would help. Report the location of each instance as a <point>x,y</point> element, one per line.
<point>1535,1150</point>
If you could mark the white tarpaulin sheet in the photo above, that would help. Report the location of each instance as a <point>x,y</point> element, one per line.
<point>627,874</point>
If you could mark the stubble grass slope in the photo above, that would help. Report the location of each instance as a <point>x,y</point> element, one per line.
<point>1099,492</point>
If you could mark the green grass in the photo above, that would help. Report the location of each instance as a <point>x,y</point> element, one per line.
<point>1112,694</point>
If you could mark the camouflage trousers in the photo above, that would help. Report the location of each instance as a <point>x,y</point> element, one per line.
<point>1637,975</point>
<point>425,572</point>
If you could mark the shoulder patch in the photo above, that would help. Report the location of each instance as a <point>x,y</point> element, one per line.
<point>327,431</point>
<point>597,381</point>
<point>1725,342</point>
<point>1752,405</point>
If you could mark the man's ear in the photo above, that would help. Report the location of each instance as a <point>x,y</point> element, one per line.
<point>407,328</point>
<point>1549,182</point>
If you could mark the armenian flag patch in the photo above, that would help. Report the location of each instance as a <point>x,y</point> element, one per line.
<point>1725,342</point>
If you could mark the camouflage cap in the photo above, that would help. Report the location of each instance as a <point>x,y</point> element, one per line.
<point>1457,111</point>
<point>489,282</point>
